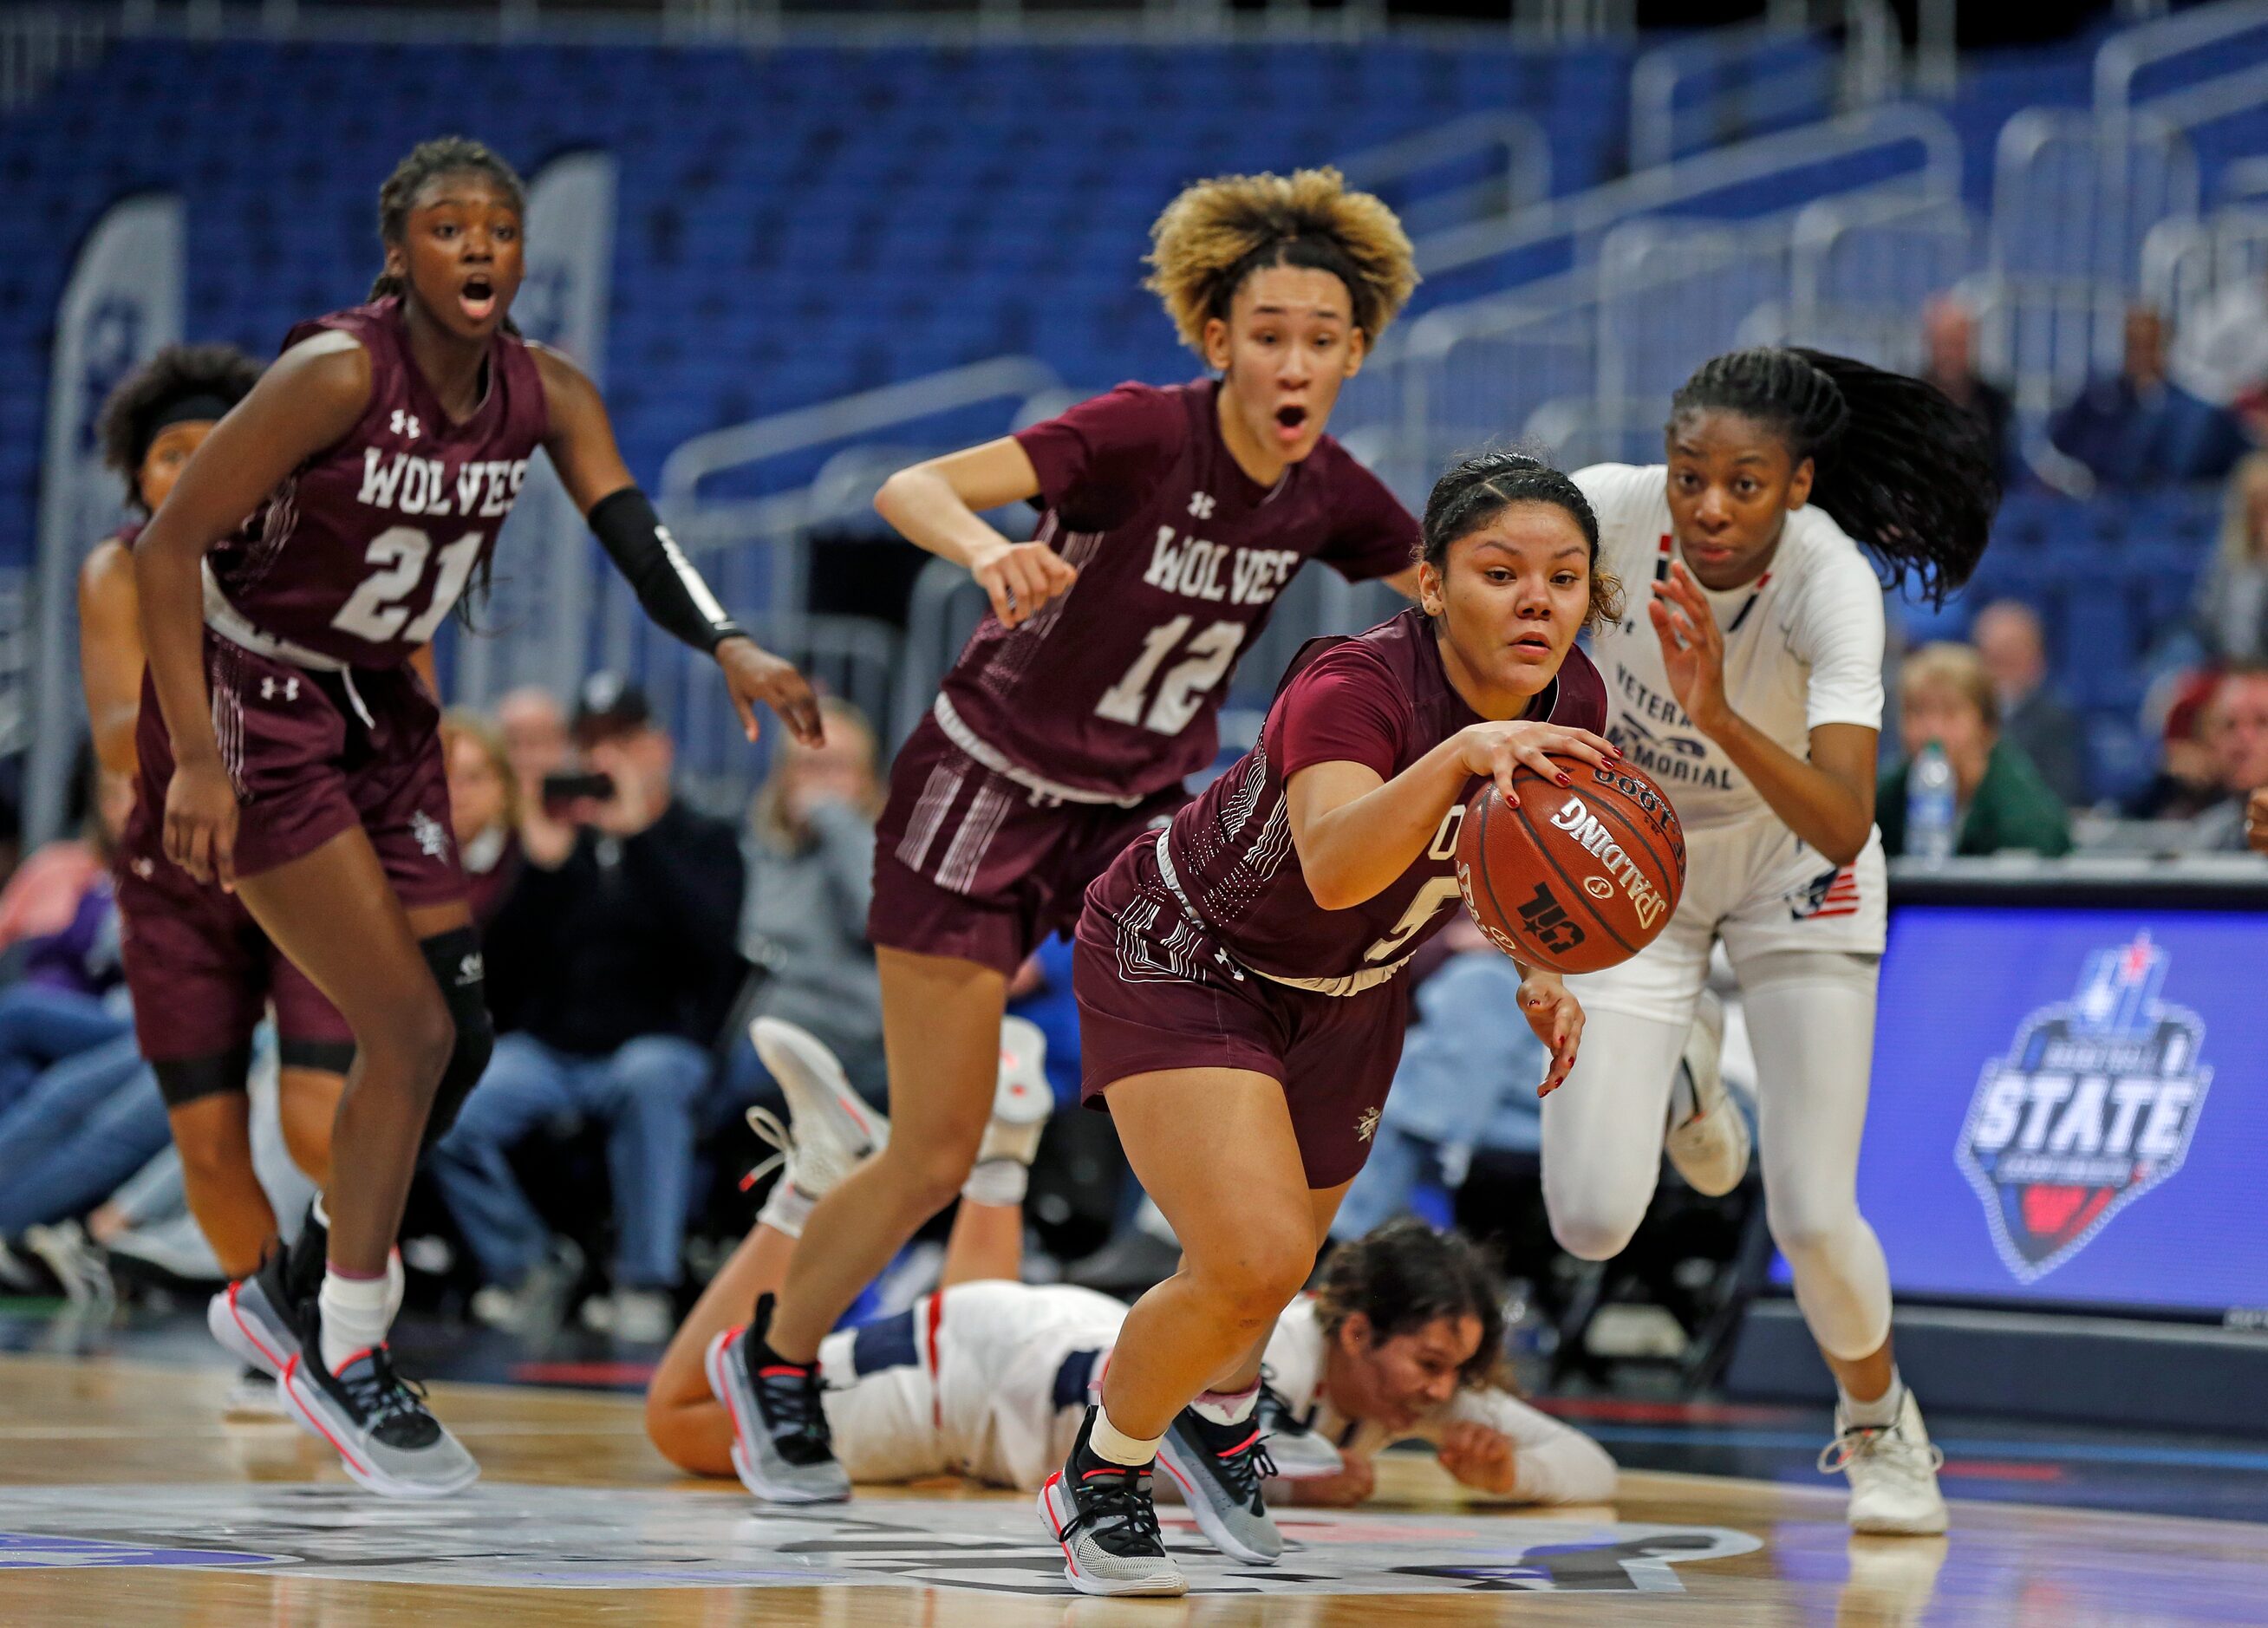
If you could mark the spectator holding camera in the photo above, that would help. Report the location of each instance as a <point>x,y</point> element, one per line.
<point>613,962</point>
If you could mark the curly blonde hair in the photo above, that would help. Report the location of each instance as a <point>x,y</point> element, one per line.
<point>1219,232</point>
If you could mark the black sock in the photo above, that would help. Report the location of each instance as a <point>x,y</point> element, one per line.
<point>760,1328</point>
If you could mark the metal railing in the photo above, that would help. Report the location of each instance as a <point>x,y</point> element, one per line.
<point>1915,137</point>
<point>40,44</point>
<point>1757,79</point>
<point>1517,175</point>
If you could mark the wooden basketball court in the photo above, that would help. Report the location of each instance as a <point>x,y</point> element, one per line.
<point>125,1498</point>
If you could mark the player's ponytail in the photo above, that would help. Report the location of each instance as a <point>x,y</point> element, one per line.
<point>1905,473</point>
<point>1476,488</point>
<point>446,155</point>
<point>1404,1275</point>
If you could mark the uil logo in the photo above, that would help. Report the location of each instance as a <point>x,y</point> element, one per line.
<point>2094,1105</point>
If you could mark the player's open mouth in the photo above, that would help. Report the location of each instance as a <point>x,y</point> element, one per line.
<point>1290,420</point>
<point>1532,645</point>
<point>477,297</point>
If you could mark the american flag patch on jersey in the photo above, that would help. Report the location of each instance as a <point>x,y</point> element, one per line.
<point>1829,893</point>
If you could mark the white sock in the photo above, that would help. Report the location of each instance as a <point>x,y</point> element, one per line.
<point>397,1284</point>
<point>1881,1412</point>
<point>1114,1446</point>
<point>1227,1407</point>
<point>323,1216</point>
<point>786,1208</point>
<point>1000,1181</point>
<point>354,1317</point>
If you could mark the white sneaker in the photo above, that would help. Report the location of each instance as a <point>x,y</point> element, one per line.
<point>644,1316</point>
<point>1893,1471</point>
<point>1024,1100</point>
<point>1707,1139</point>
<point>830,1128</point>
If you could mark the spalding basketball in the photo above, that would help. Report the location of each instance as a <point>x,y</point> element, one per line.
<point>1577,878</point>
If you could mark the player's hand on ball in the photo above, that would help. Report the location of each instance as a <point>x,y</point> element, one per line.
<point>1479,1457</point>
<point>1499,750</point>
<point>2256,821</point>
<point>754,674</point>
<point>1692,646</point>
<point>200,822</point>
<point>1020,577</point>
<point>1556,1017</point>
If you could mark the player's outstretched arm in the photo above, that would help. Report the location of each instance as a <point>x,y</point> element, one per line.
<point>581,442</point>
<point>939,507</point>
<point>304,403</point>
<point>1357,832</point>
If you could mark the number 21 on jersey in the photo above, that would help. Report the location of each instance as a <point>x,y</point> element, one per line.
<point>378,610</point>
<point>1186,684</point>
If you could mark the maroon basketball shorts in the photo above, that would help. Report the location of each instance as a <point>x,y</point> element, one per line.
<point>315,754</point>
<point>969,864</point>
<point>1156,990</point>
<point>202,973</point>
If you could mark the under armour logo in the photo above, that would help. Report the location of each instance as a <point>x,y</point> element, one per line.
<point>468,971</point>
<point>1226,960</point>
<point>268,687</point>
<point>1365,1126</point>
<point>145,868</point>
<point>405,423</point>
<point>1201,505</point>
<point>432,838</point>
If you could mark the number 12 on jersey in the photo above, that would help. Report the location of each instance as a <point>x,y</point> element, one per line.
<point>1186,684</point>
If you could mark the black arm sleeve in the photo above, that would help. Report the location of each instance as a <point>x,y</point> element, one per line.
<point>651,561</point>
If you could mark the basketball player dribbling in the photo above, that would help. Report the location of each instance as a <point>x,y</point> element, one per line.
<point>1239,1009</point>
<point>296,756</point>
<point>201,972</point>
<point>1174,520</point>
<point>1750,690</point>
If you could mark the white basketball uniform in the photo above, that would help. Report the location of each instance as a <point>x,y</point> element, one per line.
<point>990,1380</point>
<point>1803,647</point>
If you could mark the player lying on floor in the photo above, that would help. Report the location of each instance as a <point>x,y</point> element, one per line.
<point>989,1376</point>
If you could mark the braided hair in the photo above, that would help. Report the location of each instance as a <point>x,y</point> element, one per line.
<point>1478,487</point>
<point>1908,475</point>
<point>1404,1275</point>
<point>444,155</point>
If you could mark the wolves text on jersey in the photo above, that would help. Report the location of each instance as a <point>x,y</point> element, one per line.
<point>483,487</point>
<point>1193,567</point>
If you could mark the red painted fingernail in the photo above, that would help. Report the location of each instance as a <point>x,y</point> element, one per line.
<point>1563,780</point>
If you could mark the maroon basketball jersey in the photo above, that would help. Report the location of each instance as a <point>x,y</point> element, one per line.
<point>362,552</point>
<point>1112,691</point>
<point>1382,700</point>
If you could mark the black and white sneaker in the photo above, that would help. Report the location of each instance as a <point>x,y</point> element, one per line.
<point>781,1444</point>
<point>378,1422</point>
<point>1299,1452</point>
<point>1102,1515</point>
<point>1219,1469</point>
<point>253,1318</point>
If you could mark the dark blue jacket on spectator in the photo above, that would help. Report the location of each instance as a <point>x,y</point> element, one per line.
<point>2129,438</point>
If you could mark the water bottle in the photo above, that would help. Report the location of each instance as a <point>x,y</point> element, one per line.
<point>1931,815</point>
